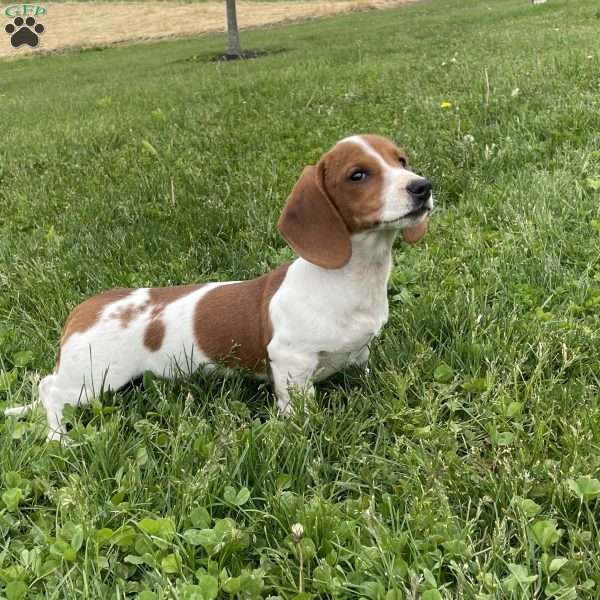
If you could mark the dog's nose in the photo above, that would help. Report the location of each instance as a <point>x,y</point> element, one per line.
<point>419,189</point>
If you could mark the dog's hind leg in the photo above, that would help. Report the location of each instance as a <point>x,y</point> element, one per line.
<point>54,396</point>
<point>21,411</point>
<point>56,391</point>
<point>53,402</point>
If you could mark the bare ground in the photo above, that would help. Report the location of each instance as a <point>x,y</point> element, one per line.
<point>84,25</point>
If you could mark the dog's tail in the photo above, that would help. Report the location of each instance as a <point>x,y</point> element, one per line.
<point>20,411</point>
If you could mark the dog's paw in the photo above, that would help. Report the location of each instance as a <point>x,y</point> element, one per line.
<point>58,436</point>
<point>24,33</point>
<point>285,409</point>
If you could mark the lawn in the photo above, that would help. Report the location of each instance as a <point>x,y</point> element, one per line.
<point>92,24</point>
<point>466,465</point>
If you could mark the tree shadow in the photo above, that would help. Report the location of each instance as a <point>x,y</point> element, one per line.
<point>211,57</point>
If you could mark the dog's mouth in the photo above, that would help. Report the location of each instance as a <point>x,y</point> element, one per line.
<point>416,213</point>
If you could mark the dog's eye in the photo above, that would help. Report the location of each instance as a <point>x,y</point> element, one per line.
<point>358,175</point>
<point>402,161</point>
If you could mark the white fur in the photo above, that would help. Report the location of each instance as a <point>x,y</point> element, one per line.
<point>107,356</point>
<point>323,320</point>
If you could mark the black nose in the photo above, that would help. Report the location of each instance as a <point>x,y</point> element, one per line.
<point>419,189</point>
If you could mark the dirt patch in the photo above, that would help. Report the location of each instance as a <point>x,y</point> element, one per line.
<point>91,24</point>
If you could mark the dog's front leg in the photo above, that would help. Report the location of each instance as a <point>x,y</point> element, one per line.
<point>291,373</point>
<point>361,359</point>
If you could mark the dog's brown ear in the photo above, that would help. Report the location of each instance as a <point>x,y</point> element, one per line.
<point>412,235</point>
<point>312,225</point>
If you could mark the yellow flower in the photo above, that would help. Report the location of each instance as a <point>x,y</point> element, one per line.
<point>445,104</point>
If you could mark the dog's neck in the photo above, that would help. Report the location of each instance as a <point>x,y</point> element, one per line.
<point>371,261</point>
<point>361,284</point>
<point>367,271</point>
<point>372,249</point>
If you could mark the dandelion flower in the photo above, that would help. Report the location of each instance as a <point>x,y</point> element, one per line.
<point>297,533</point>
<point>445,104</point>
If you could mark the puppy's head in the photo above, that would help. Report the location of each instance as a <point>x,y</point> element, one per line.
<point>362,184</point>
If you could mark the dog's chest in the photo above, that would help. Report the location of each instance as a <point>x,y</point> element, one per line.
<point>332,315</point>
<point>361,318</point>
<point>352,335</point>
<point>349,312</point>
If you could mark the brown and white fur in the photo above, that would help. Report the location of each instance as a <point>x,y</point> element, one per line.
<point>296,325</point>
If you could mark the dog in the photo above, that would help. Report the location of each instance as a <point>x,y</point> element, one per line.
<point>295,325</point>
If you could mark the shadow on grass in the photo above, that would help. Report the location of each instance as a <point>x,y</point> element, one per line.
<point>165,400</point>
<point>209,57</point>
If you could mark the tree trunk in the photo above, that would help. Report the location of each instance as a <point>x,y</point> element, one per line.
<point>233,46</point>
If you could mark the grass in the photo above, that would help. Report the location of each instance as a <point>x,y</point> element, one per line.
<point>466,465</point>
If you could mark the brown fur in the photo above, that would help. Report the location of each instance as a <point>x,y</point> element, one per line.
<point>359,204</point>
<point>129,313</point>
<point>326,207</point>
<point>232,324</point>
<point>392,155</point>
<point>161,296</point>
<point>154,335</point>
<point>312,225</point>
<point>86,314</point>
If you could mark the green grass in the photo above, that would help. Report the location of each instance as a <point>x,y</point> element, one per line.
<point>466,465</point>
<point>165,1</point>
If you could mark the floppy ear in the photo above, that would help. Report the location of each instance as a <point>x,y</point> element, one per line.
<point>412,235</point>
<point>312,225</point>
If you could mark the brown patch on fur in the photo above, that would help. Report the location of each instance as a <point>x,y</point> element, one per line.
<point>160,297</point>
<point>157,310</point>
<point>232,324</point>
<point>393,156</point>
<point>154,335</point>
<point>166,295</point>
<point>128,313</point>
<point>359,203</point>
<point>86,314</point>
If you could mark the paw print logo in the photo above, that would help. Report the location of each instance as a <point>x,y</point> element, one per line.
<point>24,34</point>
